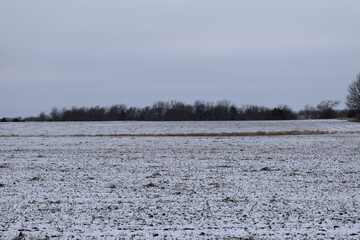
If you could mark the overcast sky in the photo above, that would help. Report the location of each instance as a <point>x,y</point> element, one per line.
<point>91,52</point>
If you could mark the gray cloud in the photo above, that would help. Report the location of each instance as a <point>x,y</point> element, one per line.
<point>64,53</point>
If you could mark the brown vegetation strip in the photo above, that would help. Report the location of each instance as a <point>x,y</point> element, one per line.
<point>222,134</point>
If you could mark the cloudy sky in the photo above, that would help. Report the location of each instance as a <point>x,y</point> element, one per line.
<point>90,52</point>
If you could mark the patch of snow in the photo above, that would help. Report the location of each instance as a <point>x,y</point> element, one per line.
<point>265,187</point>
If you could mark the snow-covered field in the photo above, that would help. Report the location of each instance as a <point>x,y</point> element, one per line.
<point>93,128</point>
<point>263,187</point>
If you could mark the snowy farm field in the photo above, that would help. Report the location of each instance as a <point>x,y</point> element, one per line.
<point>63,181</point>
<point>107,128</point>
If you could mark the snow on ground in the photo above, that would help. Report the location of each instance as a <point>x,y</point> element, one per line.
<point>266,187</point>
<point>92,128</point>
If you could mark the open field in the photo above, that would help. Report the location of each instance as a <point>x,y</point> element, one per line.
<point>102,184</point>
<point>113,128</point>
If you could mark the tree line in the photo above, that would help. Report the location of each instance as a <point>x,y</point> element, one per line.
<point>199,111</point>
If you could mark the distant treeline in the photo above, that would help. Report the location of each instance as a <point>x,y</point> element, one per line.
<point>199,111</point>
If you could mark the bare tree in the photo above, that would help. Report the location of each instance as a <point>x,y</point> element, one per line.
<point>55,114</point>
<point>309,112</point>
<point>200,110</point>
<point>117,112</point>
<point>282,112</point>
<point>254,112</point>
<point>326,109</point>
<point>353,98</point>
<point>178,111</point>
<point>158,110</point>
<point>221,110</point>
<point>42,117</point>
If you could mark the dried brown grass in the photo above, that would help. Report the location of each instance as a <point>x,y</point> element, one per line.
<point>353,119</point>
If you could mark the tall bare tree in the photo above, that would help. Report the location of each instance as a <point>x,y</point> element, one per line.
<point>353,98</point>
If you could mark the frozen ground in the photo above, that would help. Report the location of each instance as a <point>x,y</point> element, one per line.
<point>275,187</point>
<point>86,128</point>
